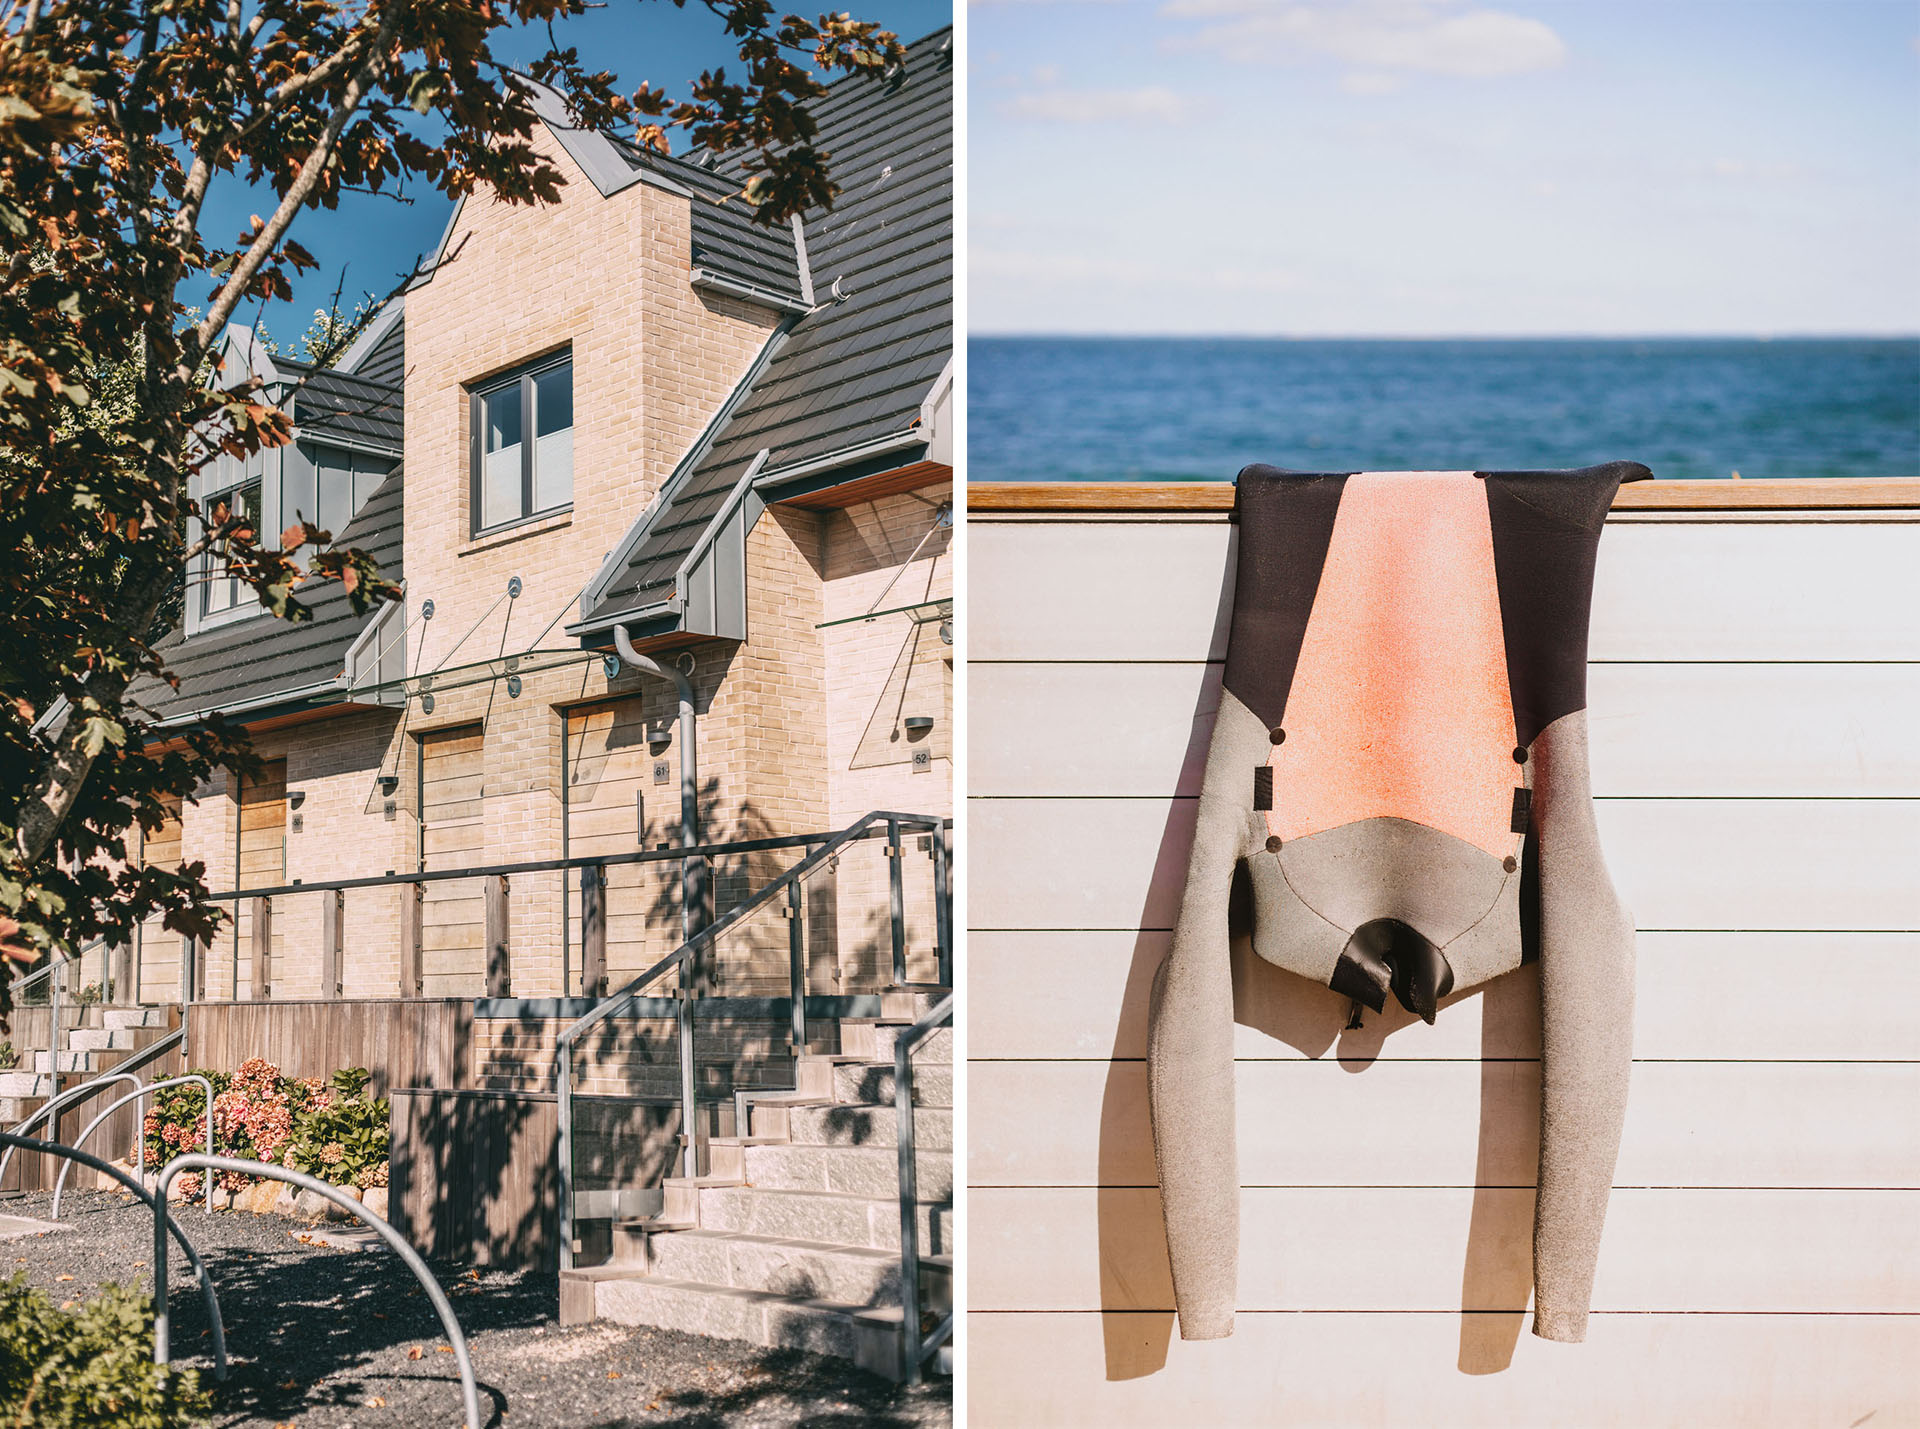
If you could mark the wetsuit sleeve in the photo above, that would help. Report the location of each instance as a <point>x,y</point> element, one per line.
<point>1586,996</point>
<point>1190,1056</point>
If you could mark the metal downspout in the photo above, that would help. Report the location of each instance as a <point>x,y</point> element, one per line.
<point>693,883</point>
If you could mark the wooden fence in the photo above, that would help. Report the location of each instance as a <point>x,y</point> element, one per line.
<point>404,1042</point>
<point>1755,678</point>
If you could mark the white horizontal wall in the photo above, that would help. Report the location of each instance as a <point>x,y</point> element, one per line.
<point>1755,702</point>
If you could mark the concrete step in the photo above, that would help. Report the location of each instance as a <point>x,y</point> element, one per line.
<point>875,1043</point>
<point>837,1125</point>
<point>871,1083</point>
<point>804,1269</point>
<point>135,1017</point>
<point>850,1170</point>
<point>69,1061</point>
<point>99,1039</point>
<point>818,1326</point>
<point>22,1083</point>
<point>823,1215</point>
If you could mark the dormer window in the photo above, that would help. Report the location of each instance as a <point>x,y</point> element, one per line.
<point>514,478</point>
<point>328,485</point>
<point>236,485</point>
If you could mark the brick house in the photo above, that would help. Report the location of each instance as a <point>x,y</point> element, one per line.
<point>613,446</point>
<point>740,440</point>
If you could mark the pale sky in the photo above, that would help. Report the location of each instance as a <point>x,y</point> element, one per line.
<point>1436,167</point>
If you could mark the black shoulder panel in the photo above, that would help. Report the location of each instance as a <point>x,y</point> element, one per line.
<point>1286,523</point>
<point>1546,533</point>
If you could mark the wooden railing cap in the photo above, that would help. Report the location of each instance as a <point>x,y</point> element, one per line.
<point>1176,497</point>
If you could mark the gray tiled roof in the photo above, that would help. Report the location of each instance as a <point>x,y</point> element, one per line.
<point>349,406</point>
<point>386,360</point>
<point>726,240</point>
<point>854,371</point>
<point>256,659</point>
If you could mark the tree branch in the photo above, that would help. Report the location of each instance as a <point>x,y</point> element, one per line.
<point>297,194</point>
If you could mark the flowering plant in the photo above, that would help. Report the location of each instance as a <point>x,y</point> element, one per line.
<point>330,1129</point>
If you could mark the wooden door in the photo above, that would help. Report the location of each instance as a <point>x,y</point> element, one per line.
<point>262,861</point>
<point>452,835</point>
<point>615,805</point>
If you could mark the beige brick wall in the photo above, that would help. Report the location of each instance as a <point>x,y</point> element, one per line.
<point>869,752</point>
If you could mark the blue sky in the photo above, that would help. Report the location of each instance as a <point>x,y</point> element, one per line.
<point>376,240</point>
<point>1445,167</point>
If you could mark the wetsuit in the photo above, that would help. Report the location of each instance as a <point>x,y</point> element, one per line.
<point>1400,760</point>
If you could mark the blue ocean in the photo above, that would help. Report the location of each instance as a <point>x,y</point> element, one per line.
<point>1187,409</point>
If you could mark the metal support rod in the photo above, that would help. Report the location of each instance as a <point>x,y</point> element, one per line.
<point>689,1087</point>
<point>53,1049</point>
<point>897,903</point>
<point>140,1138</point>
<point>911,1352</point>
<point>797,964</point>
<point>162,1351</point>
<point>942,906</point>
<point>160,1219</point>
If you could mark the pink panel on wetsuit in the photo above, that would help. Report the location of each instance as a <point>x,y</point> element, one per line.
<point>1400,706</point>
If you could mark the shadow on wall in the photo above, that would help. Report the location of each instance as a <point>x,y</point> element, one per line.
<point>1497,1277</point>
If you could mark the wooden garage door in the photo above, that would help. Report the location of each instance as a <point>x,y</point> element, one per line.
<point>263,864</point>
<point>452,835</point>
<point>614,805</point>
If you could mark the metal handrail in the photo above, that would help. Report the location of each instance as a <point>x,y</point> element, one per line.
<point>623,998</point>
<point>56,1104</point>
<point>140,1138</point>
<point>160,1217</point>
<point>193,1161</point>
<point>914,1350</point>
<point>545,865</point>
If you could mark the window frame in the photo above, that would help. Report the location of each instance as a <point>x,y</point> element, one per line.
<point>523,377</point>
<point>213,562</point>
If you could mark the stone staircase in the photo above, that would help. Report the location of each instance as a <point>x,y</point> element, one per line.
<point>97,1039</point>
<point>792,1239</point>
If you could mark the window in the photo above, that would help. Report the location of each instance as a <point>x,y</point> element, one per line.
<point>239,488</point>
<point>515,478</point>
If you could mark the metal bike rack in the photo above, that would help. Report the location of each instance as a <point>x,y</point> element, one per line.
<point>193,1161</point>
<point>140,1141</point>
<point>160,1219</point>
<point>71,1094</point>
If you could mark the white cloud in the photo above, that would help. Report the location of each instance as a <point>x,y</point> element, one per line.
<point>1369,81</point>
<point>1153,103</point>
<point>1376,36</point>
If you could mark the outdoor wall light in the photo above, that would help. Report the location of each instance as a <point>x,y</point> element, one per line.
<point>917,724</point>
<point>389,783</point>
<point>296,797</point>
<point>659,737</point>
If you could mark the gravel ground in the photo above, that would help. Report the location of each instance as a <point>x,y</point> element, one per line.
<point>319,1336</point>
